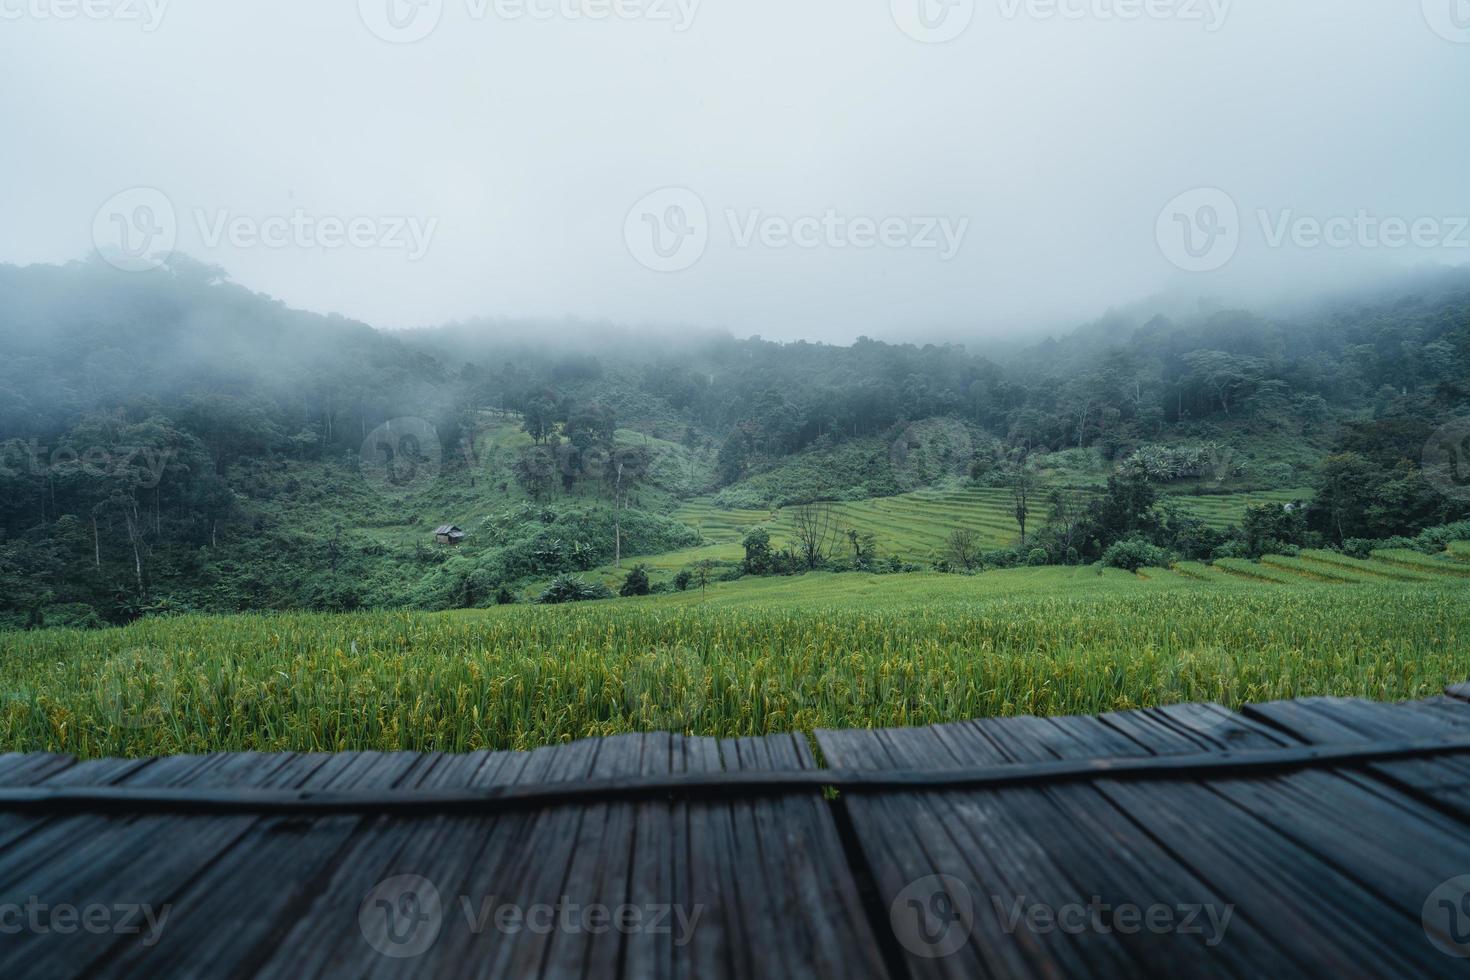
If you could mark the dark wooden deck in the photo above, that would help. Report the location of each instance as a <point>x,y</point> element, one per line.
<point>1306,838</point>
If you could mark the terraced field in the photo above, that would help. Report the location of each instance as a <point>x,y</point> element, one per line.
<point>1331,568</point>
<point>1223,511</point>
<point>916,525</point>
<point>913,526</point>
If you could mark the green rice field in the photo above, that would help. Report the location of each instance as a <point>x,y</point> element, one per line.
<point>749,657</point>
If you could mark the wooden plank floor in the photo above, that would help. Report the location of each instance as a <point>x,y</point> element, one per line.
<point>1211,868</point>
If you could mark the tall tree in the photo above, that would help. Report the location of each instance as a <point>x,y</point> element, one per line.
<point>815,530</point>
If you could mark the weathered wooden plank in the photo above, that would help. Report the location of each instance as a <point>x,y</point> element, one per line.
<point>348,933</point>
<point>660,867</point>
<point>1106,856</point>
<point>89,861</point>
<point>568,842</point>
<point>28,770</point>
<point>14,827</point>
<point>768,881</point>
<point>1444,781</point>
<point>327,935</point>
<point>1259,842</point>
<point>393,860</point>
<point>713,878</point>
<point>820,925</point>
<point>1214,727</point>
<point>226,879</point>
<point>932,860</point>
<point>895,861</point>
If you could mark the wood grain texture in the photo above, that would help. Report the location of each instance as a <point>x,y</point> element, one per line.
<point>1323,864</point>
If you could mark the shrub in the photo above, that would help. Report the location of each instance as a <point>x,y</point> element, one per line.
<point>505,597</point>
<point>570,588</point>
<point>1437,539</point>
<point>636,583</point>
<point>1135,553</point>
<point>1003,558</point>
<point>683,580</point>
<point>1037,557</point>
<point>855,470</point>
<point>758,551</point>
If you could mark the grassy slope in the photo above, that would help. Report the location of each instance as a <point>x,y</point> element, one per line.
<point>749,657</point>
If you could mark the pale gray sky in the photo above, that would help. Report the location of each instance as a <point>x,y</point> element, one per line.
<point>838,173</point>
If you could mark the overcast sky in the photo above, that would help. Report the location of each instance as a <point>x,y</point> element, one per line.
<point>816,168</point>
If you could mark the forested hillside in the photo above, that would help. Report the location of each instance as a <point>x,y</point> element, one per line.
<point>171,441</point>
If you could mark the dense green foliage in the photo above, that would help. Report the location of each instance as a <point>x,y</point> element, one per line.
<point>172,443</point>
